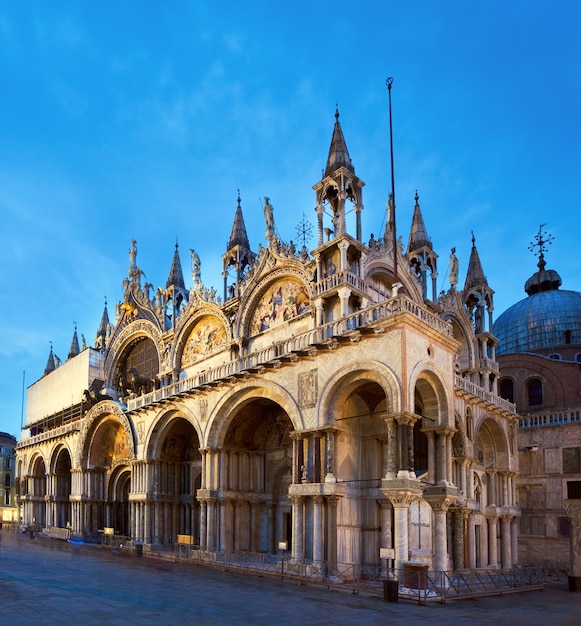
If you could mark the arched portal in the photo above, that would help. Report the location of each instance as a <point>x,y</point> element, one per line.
<point>62,488</point>
<point>361,514</point>
<point>177,475</point>
<point>109,451</point>
<point>257,455</point>
<point>118,499</point>
<point>37,492</point>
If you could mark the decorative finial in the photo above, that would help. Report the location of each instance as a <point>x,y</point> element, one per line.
<point>542,239</point>
<point>238,196</point>
<point>417,197</point>
<point>389,83</point>
<point>177,242</point>
<point>337,111</point>
<point>473,239</point>
<point>304,231</point>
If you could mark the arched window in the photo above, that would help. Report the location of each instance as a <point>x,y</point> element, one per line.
<point>507,389</point>
<point>469,423</point>
<point>535,392</point>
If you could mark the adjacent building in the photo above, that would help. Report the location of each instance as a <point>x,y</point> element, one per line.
<point>539,354</point>
<point>327,401</point>
<point>8,510</point>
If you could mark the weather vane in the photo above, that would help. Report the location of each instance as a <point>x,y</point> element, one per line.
<point>542,240</point>
<point>304,231</point>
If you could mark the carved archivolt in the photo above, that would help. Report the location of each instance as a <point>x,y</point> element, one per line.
<point>285,296</point>
<point>140,328</point>
<point>208,335</point>
<point>205,332</point>
<point>91,421</point>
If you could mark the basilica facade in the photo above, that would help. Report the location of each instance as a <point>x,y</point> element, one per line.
<point>328,402</point>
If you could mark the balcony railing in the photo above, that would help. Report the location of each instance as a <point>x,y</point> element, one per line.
<point>475,390</point>
<point>271,355</point>
<point>547,419</point>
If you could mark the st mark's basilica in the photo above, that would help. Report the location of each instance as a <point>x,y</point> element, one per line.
<point>327,402</point>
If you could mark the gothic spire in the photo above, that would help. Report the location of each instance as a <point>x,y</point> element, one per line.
<point>176,276</point>
<point>50,364</point>
<point>74,349</point>
<point>475,275</point>
<point>338,153</point>
<point>103,332</point>
<point>419,233</point>
<point>238,236</point>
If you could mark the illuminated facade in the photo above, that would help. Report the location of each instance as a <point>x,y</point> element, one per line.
<point>327,401</point>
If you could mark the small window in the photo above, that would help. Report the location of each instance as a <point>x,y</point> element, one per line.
<point>567,336</point>
<point>574,489</point>
<point>535,392</point>
<point>578,357</point>
<point>571,460</point>
<point>564,526</point>
<point>507,389</point>
<point>555,357</point>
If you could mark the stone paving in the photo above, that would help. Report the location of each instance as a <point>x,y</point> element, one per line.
<point>47,581</point>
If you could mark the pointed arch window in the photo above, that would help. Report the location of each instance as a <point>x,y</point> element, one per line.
<point>535,392</point>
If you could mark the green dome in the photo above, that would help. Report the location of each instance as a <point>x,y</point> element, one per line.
<point>545,319</point>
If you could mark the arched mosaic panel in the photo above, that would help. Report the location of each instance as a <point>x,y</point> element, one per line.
<point>207,335</point>
<point>281,302</point>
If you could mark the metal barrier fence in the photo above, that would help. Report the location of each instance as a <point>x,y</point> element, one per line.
<point>426,586</point>
<point>117,541</point>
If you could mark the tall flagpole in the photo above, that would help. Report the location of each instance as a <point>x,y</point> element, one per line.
<point>22,401</point>
<point>389,83</point>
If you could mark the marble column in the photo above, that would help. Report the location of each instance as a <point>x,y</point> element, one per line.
<point>514,541</point>
<point>317,529</point>
<point>203,523</point>
<point>492,541</point>
<point>332,502</point>
<point>401,539</point>
<point>297,530</point>
<point>505,541</point>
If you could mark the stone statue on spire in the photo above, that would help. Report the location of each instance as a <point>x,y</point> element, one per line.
<point>196,267</point>
<point>269,217</point>
<point>453,269</point>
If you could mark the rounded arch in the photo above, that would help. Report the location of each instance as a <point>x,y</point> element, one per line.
<point>342,384</point>
<point>226,410</point>
<point>283,295</point>
<point>60,469</point>
<point>59,449</point>
<point>491,444</point>
<point>200,334</point>
<point>152,438</point>
<point>462,332</point>
<point>427,390</point>
<point>131,335</point>
<point>106,411</point>
<point>118,489</point>
<point>382,272</point>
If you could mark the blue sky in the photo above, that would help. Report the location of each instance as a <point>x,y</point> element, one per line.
<point>141,119</point>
